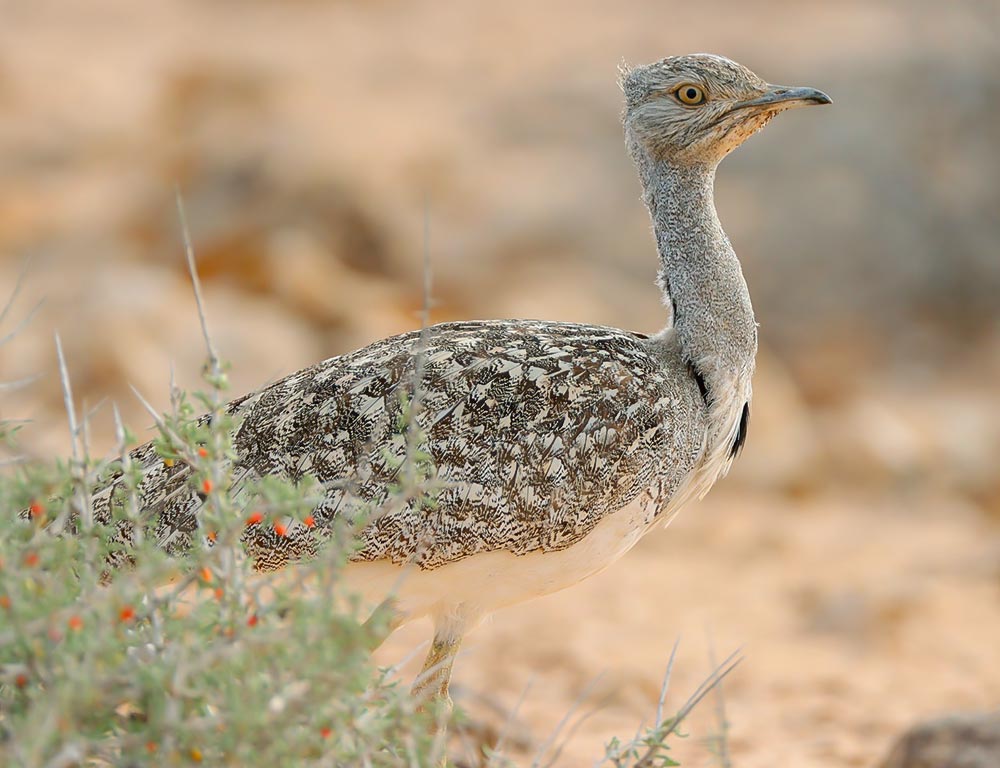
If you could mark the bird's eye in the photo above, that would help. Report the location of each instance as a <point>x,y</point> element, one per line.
<point>691,95</point>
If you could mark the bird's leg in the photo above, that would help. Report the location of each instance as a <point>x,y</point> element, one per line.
<point>384,620</point>
<point>430,689</point>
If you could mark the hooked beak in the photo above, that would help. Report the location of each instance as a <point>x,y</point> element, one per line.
<point>782,98</point>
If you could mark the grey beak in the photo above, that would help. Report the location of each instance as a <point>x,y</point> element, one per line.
<point>788,97</point>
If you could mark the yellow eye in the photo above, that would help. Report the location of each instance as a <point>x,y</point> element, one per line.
<point>692,95</point>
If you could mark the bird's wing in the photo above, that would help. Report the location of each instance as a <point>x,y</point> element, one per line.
<point>521,436</point>
<point>464,438</point>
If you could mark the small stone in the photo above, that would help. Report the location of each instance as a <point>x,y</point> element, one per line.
<point>954,741</point>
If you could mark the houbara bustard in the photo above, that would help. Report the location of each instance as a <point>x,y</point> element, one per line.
<point>553,446</point>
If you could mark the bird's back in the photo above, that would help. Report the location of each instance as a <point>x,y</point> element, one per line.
<point>519,435</point>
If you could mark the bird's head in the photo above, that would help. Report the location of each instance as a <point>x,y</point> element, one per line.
<point>694,110</point>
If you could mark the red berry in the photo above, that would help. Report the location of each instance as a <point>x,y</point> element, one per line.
<point>255,518</point>
<point>309,521</point>
<point>75,623</point>
<point>252,621</point>
<point>203,452</point>
<point>206,486</point>
<point>280,529</point>
<point>126,614</point>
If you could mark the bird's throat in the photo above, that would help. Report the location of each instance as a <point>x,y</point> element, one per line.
<point>700,274</point>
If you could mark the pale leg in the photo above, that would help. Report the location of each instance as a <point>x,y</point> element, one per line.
<point>385,619</point>
<point>430,689</point>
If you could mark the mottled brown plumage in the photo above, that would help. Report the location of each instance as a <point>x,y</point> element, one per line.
<point>535,431</point>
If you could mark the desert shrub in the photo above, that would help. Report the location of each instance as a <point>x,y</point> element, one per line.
<point>182,659</point>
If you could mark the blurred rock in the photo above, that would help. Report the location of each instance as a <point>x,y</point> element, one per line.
<point>954,741</point>
<point>943,439</point>
<point>872,440</point>
<point>241,215</point>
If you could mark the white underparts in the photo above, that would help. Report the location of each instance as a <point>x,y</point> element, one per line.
<point>470,588</point>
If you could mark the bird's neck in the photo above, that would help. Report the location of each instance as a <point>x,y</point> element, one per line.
<point>700,276</point>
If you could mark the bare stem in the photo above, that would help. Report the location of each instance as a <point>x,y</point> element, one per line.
<point>213,358</point>
<point>665,729</point>
<point>18,284</point>
<point>721,740</point>
<point>547,744</point>
<point>666,682</point>
<point>126,459</point>
<point>79,470</point>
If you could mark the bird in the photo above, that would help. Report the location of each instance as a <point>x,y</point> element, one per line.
<point>546,449</point>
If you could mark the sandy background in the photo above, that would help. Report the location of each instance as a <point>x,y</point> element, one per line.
<point>854,553</point>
